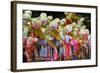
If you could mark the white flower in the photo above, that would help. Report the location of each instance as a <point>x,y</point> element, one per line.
<point>50,17</point>
<point>36,23</point>
<point>25,21</point>
<point>74,24</point>
<point>28,12</point>
<point>79,23</point>
<point>62,22</point>
<point>84,27</point>
<point>43,18</point>
<point>54,23</point>
<point>43,14</point>
<point>82,31</point>
<point>26,16</point>
<point>87,31</point>
<point>79,26</point>
<point>57,20</point>
<point>66,13</point>
<point>68,28</point>
<point>82,19</point>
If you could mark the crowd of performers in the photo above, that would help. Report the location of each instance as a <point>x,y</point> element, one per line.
<point>48,39</point>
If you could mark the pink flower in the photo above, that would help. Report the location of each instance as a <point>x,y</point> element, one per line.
<point>30,41</point>
<point>36,23</point>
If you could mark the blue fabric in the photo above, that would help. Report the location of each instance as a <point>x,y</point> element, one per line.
<point>57,43</point>
<point>61,51</point>
<point>74,57</point>
<point>42,42</point>
<point>68,38</point>
<point>43,51</point>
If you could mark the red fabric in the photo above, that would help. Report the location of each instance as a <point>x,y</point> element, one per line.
<point>68,21</point>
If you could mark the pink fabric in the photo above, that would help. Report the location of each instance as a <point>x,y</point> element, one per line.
<point>30,41</point>
<point>55,54</point>
<point>73,42</point>
<point>30,47</point>
<point>85,36</point>
<point>68,49</point>
<point>75,45</point>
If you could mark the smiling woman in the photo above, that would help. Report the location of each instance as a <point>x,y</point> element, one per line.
<point>53,33</point>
